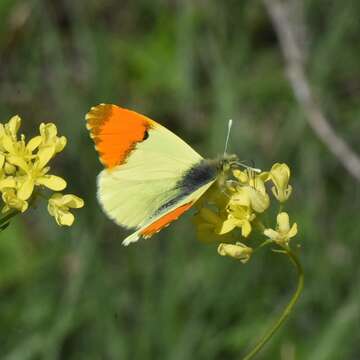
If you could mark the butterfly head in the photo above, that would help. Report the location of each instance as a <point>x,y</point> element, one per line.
<point>226,166</point>
<point>227,162</point>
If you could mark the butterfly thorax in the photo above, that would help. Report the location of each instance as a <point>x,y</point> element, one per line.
<point>224,167</point>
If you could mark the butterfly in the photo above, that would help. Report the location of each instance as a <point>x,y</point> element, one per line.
<point>151,176</point>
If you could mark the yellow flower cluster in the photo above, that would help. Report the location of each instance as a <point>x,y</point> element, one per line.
<point>24,170</point>
<point>239,205</point>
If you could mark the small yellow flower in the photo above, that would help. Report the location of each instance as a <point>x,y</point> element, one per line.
<point>239,216</point>
<point>252,191</point>
<point>59,206</point>
<point>280,175</point>
<point>48,136</point>
<point>12,201</point>
<point>35,173</point>
<point>24,165</point>
<point>9,142</point>
<point>283,232</point>
<point>20,148</point>
<point>237,251</point>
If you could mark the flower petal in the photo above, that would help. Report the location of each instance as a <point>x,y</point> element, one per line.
<point>271,234</point>
<point>283,222</point>
<point>259,200</point>
<point>293,231</point>
<point>73,201</point>
<point>48,130</point>
<point>2,161</point>
<point>245,228</point>
<point>33,143</point>
<point>14,125</point>
<point>225,226</point>
<point>8,144</point>
<point>66,218</point>
<point>60,144</point>
<point>240,198</point>
<point>280,174</point>
<point>44,155</point>
<point>49,137</point>
<point>52,182</point>
<point>19,162</point>
<point>265,176</point>
<point>8,182</point>
<point>26,189</point>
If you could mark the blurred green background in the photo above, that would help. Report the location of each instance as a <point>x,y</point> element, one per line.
<point>76,293</point>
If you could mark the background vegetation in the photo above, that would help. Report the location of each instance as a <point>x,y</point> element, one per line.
<point>77,293</point>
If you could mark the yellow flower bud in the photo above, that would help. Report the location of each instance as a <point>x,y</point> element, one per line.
<point>12,201</point>
<point>237,251</point>
<point>280,175</point>
<point>12,127</point>
<point>48,133</point>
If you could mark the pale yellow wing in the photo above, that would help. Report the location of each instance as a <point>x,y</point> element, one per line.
<point>164,217</point>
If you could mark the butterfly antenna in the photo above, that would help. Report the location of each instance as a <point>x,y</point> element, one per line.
<point>228,135</point>
<point>251,168</point>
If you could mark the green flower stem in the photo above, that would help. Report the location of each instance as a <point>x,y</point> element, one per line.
<point>7,217</point>
<point>286,312</point>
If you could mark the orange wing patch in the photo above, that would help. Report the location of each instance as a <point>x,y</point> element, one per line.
<point>165,220</point>
<point>116,131</point>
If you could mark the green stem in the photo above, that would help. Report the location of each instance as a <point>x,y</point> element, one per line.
<point>7,217</point>
<point>286,312</point>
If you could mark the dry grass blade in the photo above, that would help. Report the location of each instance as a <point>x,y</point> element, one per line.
<point>280,14</point>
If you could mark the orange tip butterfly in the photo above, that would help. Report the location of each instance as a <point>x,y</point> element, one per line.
<point>151,176</point>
